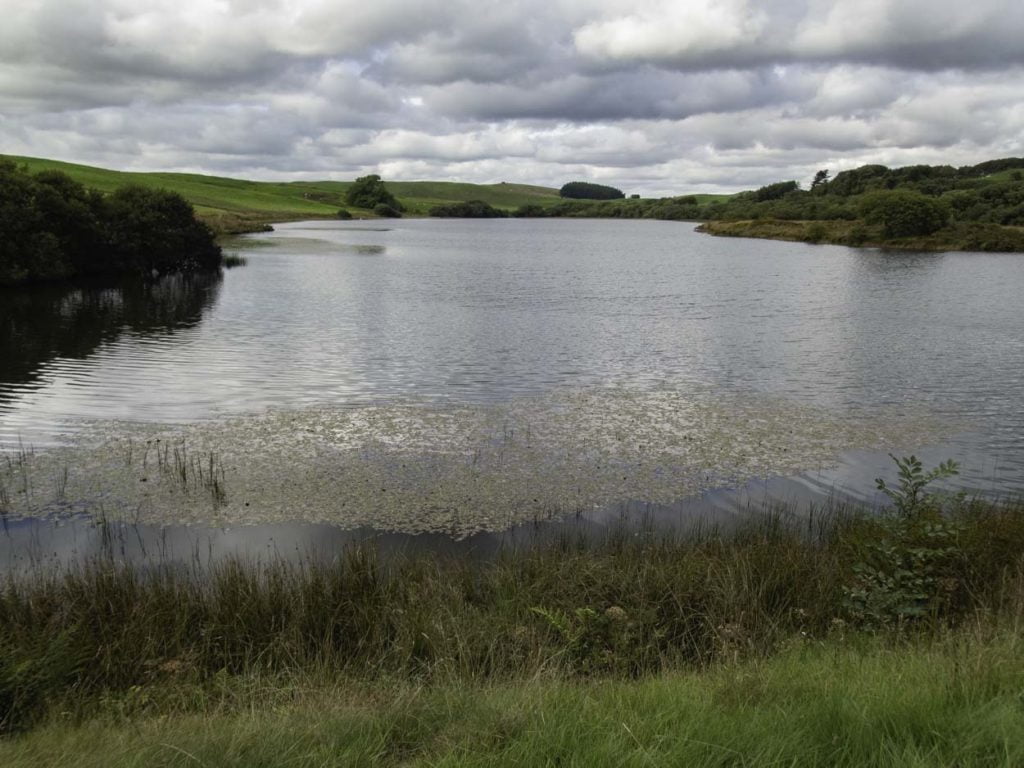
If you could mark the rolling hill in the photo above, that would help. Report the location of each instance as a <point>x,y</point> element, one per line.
<point>232,205</point>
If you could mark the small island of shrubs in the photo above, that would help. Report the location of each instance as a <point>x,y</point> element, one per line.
<point>469,209</point>
<point>55,228</point>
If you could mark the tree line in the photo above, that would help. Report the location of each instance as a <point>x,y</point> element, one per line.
<point>978,207</point>
<point>55,228</point>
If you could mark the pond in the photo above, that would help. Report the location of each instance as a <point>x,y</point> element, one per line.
<point>459,378</point>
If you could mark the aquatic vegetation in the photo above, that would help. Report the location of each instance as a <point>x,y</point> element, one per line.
<point>416,466</point>
<point>624,602</point>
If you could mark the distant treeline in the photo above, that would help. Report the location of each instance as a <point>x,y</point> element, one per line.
<point>585,190</point>
<point>974,207</point>
<point>52,227</point>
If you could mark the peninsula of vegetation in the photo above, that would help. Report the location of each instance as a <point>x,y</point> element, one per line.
<point>921,207</point>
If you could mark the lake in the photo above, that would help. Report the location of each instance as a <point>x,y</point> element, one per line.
<point>535,368</point>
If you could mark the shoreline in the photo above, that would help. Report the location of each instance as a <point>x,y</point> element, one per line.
<point>854,234</point>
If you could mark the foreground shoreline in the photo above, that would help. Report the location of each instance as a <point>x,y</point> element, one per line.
<point>106,637</point>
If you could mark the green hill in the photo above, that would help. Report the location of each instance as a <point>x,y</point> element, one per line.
<point>236,204</point>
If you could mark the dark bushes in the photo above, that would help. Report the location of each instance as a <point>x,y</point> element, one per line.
<point>55,228</point>
<point>472,209</point>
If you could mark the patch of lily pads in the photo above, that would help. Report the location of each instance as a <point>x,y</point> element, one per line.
<point>417,466</point>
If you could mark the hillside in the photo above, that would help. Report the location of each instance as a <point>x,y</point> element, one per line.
<point>236,204</point>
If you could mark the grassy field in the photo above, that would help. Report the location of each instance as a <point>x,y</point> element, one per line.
<point>951,700</point>
<point>236,204</point>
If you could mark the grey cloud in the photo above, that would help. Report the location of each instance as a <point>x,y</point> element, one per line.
<point>658,95</point>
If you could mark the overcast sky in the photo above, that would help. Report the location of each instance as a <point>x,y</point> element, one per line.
<point>653,96</point>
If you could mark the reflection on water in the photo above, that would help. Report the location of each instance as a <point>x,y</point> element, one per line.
<point>51,331</point>
<point>41,323</point>
<point>29,543</point>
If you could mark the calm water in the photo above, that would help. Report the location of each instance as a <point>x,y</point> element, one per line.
<point>342,313</point>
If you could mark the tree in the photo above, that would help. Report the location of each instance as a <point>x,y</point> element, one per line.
<point>820,179</point>
<point>369,192</point>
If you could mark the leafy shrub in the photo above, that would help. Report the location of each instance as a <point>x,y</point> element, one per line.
<point>907,568</point>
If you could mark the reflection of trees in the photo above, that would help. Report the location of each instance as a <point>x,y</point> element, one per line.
<point>41,323</point>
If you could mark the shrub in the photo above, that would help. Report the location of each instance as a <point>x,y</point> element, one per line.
<point>386,211</point>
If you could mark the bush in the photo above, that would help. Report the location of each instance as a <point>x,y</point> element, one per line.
<point>386,211</point>
<point>343,214</point>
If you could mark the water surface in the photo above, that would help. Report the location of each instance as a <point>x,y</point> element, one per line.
<point>494,314</point>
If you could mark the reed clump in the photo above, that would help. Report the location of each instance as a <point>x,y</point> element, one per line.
<point>632,602</point>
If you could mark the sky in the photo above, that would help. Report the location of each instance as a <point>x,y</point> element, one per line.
<point>656,97</point>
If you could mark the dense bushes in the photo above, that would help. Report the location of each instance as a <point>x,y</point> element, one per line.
<point>903,213</point>
<point>53,228</point>
<point>471,209</point>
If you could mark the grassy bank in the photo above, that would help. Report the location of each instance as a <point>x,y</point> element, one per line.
<point>631,604</point>
<point>957,237</point>
<point>945,701</point>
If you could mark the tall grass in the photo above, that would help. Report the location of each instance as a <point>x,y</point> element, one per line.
<point>628,604</point>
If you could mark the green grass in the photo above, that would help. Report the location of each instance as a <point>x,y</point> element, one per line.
<point>950,701</point>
